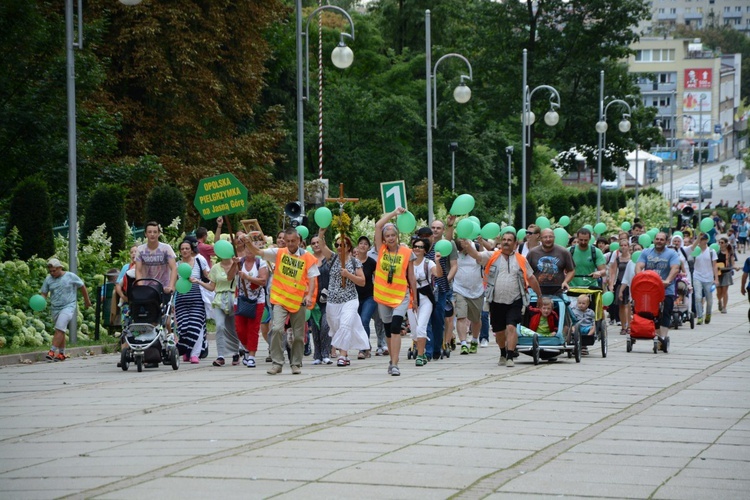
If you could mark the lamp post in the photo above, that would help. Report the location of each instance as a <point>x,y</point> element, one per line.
<point>461,94</point>
<point>70,79</point>
<point>342,57</point>
<point>453,148</point>
<point>601,129</point>
<point>690,134</point>
<point>551,118</point>
<point>509,153</point>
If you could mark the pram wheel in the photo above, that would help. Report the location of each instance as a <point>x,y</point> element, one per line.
<point>629,345</point>
<point>665,345</point>
<point>577,343</point>
<point>124,359</point>
<point>139,362</point>
<point>410,354</point>
<point>692,320</point>
<point>604,340</point>
<point>174,358</point>
<point>447,352</point>
<point>535,349</point>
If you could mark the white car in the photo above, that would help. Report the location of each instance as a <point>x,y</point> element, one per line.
<point>609,185</point>
<point>691,192</point>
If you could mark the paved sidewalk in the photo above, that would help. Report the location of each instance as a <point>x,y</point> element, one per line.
<point>633,425</point>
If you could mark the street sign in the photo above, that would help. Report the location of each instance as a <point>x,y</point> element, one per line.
<point>741,178</point>
<point>393,194</point>
<point>220,195</point>
<point>717,129</point>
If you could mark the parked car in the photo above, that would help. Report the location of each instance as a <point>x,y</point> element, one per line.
<point>609,185</point>
<point>691,192</point>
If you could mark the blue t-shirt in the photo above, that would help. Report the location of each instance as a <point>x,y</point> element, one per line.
<point>62,291</point>
<point>746,269</point>
<point>661,263</point>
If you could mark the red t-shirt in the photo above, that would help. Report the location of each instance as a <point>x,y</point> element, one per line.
<point>207,251</point>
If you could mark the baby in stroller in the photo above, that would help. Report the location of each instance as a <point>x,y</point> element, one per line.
<point>585,318</point>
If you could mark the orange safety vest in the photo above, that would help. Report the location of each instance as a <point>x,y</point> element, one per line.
<point>393,293</point>
<point>290,279</point>
<point>519,258</point>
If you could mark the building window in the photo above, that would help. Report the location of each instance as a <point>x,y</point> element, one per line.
<point>727,10</point>
<point>661,11</point>
<point>738,9</point>
<point>673,11</point>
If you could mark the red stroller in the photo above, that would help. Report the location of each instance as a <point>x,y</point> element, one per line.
<point>647,291</point>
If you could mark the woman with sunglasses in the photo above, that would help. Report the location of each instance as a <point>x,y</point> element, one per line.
<point>346,274</point>
<point>394,284</point>
<point>424,271</point>
<point>725,262</point>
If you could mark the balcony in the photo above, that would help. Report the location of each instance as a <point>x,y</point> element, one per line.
<point>666,17</point>
<point>731,15</point>
<point>691,16</point>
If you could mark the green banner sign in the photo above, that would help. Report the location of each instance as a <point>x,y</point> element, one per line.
<point>220,195</point>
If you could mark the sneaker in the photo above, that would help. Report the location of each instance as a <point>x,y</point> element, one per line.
<point>327,361</point>
<point>390,367</point>
<point>484,343</point>
<point>235,360</point>
<point>317,361</point>
<point>501,361</point>
<point>341,361</point>
<point>395,371</point>
<point>379,351</point>
<point>421,360</point>
<point>464,349</point>
<point>509,362</point>
<point>219,362</point>
<point>386,352</point>
<point>296,370</point>
<point>250,362</point>
<point>275,369</point>
<point>708,318</point>
<point>699,322</point>
<point>60,356</point>
<point>50,356</point>
<point>473,347</point>
<point>194,360</point>
<point>308,350</point>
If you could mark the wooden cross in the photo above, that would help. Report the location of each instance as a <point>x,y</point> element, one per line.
<point>341,200</point>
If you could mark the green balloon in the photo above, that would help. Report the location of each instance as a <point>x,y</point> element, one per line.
<point>183,286</point>
<point>475,219</point>
<point>309,249</point>
<point>223,249</point>
<point>636,255</point>
<point>303,232</point>
<point>443,247</point>
<point>464,229</point>
<point>509,229</point>
<point>564,221</point>
<point>463,205</point>
<point>184,270</point>
<point>543,222</point>
<point>323,217</point>
<point>561,236</point>
<point>678,233</point>
<point>707,224</point>
<point>644,240</point>
<point>475,231</point>
<point>608,298</point>
<point>696,251</point>
<point>652,232</point>
<point>37,302</point>
<point>600,228</point>
<point>625,226</point>
<point>521,234</point>
<point>589,227</point>
<point>308,313</point>
<point>614,246</point>
<point>490,230</point>
<point>715,247</point>
<point>406,222</point>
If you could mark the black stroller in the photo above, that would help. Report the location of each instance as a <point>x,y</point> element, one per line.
<point>146,337</point>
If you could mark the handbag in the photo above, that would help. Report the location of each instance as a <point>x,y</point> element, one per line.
<point>246,307</point>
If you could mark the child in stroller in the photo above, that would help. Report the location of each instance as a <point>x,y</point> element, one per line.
<point>585,318</point>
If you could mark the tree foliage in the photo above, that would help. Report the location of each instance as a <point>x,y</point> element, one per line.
<point>107,206</point>
<point>30,212</point>
<point>165,204</point>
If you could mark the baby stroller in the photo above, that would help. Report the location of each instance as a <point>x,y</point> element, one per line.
<point>647,291</point>
<point>565,340</point>
<point>600,324</point>
<point>146,337</point>
<point>683,303</point>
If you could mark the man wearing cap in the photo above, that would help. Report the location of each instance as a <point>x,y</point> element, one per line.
<point>62,287</point>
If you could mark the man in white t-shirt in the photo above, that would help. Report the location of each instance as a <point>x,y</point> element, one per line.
<point>468,290</point>
<point>705,274</point>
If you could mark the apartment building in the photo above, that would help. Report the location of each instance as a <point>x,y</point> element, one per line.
<point>667,14</point>
<point>696,92</point>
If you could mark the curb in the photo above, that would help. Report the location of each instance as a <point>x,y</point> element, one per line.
<point>27,358</point>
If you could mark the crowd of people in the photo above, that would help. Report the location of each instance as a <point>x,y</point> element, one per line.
<point>322,302</point>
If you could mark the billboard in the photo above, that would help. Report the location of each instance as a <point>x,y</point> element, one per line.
<point>696,102</point>
<point>698,78</point>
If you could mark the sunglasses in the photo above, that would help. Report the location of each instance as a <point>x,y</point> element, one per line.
<point>337,245</point>
<point>421,247</point>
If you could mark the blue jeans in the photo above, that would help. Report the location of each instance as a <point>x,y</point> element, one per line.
<point>366,311</point>
<point>437,324</point>
<point>485,331</point>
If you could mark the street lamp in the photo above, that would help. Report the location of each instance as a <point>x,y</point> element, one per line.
<point>509,153</point>
<point>342,57</point>
<point>690,134</point>
<point>462,94</point>
<point>453,147</point>
<point>601,129</point>
<point>527,120</point>
<point>70,74</point>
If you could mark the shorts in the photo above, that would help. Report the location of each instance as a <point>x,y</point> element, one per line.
<point>725,279</point>
<point>62,319</point>
<point>502,315</point>
<point>387,313</point>
<point>268,315</point>
<point>585,330</point>
<point>469,308</point>
<point>742,240</point>
<point>666,311</point>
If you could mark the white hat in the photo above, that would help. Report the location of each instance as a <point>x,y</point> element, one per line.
<point>54,263</point>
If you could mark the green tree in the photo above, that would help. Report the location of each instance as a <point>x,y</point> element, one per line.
<point>268,212</point>
<point>164,204</point>
<point>107,206</point>
<point>30,212</point>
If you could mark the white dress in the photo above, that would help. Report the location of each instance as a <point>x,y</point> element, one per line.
<point>346,330</point>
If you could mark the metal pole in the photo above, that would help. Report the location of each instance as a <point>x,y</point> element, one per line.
<point>637,147</point>
<point>523,140</point>
<point>700,158</point>
<point>601,146</point>
<point>428,82</point>
<point>509,151</point>
<point>674,148</point>
<point>300,114</point>
<point>72,153</point>
<point>453,171</point>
